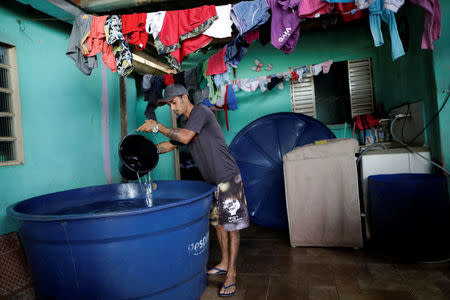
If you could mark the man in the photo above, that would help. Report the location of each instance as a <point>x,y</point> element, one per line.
<point>209,150</point>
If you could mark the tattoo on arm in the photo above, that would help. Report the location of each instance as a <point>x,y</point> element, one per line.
<point>173,134</point>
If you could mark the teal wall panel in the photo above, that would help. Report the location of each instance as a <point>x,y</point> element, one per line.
<point>61,112</point>
<point>441,62</point>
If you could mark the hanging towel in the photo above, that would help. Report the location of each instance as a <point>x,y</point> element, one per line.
<point>432,28</point>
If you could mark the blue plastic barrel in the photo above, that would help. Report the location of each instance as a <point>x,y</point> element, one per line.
<point>409,215</point>
<point>101,242</point>
<point>258,150</point>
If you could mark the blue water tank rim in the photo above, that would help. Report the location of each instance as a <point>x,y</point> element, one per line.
<point>49,218</point>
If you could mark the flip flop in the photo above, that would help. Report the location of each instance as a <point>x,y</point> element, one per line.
<point>225,288</point>
<point>219,272</point>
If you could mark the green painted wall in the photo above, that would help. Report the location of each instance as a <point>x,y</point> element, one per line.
<point>441,60</point>
<point>61,113</point>
<point>407,79</point>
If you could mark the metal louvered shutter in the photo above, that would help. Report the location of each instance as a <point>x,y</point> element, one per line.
<point>360,84</point>
<point>303,97</point>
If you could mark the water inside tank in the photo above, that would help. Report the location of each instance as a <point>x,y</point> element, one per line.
<point>112,206</point>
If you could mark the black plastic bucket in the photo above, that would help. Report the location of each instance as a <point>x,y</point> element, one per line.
<point>137,154</point>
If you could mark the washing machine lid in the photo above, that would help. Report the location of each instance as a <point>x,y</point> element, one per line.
<point>258,150</point>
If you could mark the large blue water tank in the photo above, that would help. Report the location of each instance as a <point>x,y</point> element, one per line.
<point>259,149</point>
<point>77,247</point>
<point>409,215</point>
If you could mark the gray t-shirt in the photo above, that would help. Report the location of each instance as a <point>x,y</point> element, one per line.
<point>208,148</point>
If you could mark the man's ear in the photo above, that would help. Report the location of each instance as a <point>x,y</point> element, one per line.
<point>186,98</point>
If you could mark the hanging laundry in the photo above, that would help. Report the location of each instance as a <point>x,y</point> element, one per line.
<point>294,76</point>
<point>214,93</point>
<point>339,1</point>
<point>262,81</point>
<point>314,8</point>
<point>432,28</point>
<point>221,28</point>
<point>235,51</point>
<point>285,28</point>
<point>349,12</point>
<point>201,80</point>
<point>248,15</point>
<point>190,79</point>
<point>168,79</point>
<point>221,101</point>
<point>152,86</point>
<point>300,72</point>
<point>393,5</point>
<point>363,4</point>
<point>273,82</point>
<point>326,65</point>
<point>114,37</point>
<point>179,78</point>
<point>378,12</point>
<point>96,43</point>
<point>264,33</point>
<point>133,29</point>
<point>200,95</point>
<point>182,30</point>
<point>252,36</point>
<point>249,85</point>
<point>316,69</point>
<point>216,63</point>
<point>154,23</point>
<point>77,44</point>
<point>222,79</point>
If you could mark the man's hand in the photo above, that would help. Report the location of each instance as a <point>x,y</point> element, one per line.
<point>147,126</point>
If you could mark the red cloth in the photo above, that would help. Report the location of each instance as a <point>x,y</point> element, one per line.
<point>178,23</point>
<point>133,29</point>
<point>366,121</point>
<point>168,79</point>
<point>216,63</point>
<point>345,10</point>
<point>96,42</point>
<point>294,76</point>
<point>251,36</point>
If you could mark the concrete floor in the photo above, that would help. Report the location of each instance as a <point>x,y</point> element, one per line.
<point>269,269</point>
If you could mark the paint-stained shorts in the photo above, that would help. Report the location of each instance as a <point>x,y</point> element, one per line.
<point>229,207</point>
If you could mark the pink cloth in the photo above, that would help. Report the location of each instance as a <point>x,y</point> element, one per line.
<point>326,66</point>
<point>216,63</point>
<point>314,8</point>
<point>432,28</point>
